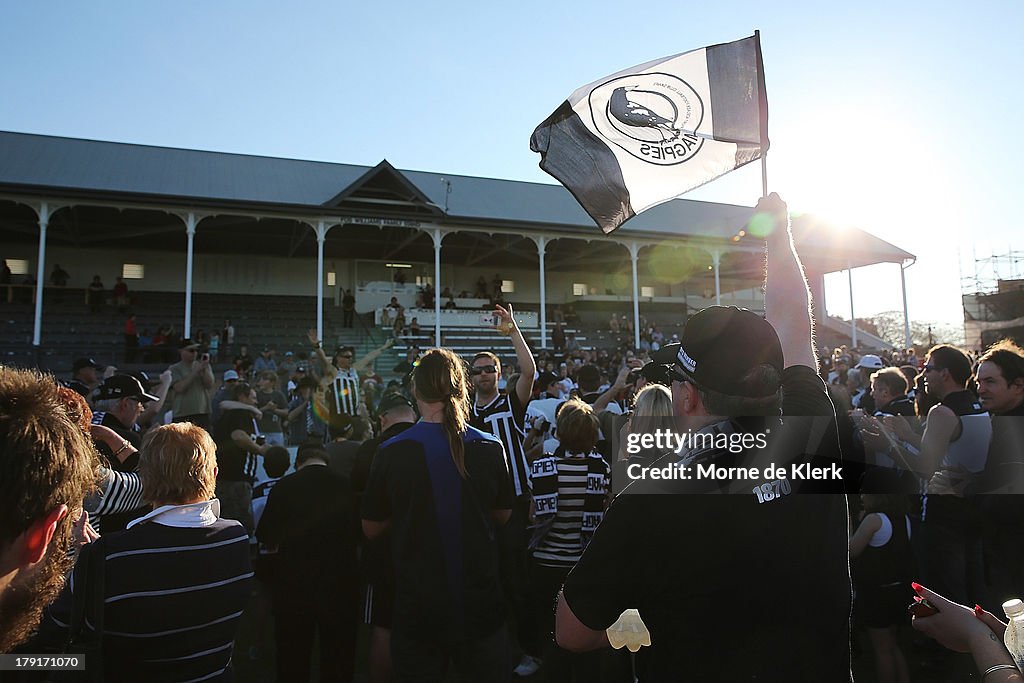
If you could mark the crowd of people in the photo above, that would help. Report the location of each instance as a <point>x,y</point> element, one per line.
<point>504,516</point>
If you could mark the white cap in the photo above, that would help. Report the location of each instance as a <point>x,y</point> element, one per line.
<point>1013,607</point>
<point>870,361</point>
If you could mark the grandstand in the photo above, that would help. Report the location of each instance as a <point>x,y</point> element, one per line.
<point>271,243</point>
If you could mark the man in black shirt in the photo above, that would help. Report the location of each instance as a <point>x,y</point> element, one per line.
<point>396,415</point>
<point>237,447</point>
<point>688,559</point>
<point>310,519</point>
<point>1000,378</point>
<point>120,400</point>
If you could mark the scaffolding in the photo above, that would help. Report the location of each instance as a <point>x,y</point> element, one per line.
<point>993,298</point>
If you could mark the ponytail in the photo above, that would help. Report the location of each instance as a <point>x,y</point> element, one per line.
<point>454,428</point>
<point>441,377</point>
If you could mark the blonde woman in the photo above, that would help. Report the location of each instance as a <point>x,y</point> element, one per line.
<point>652,411</point>
<point>442,489</point>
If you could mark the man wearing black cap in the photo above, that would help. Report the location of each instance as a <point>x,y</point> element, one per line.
<point>83,376</point>
<point>694,563</point>
<point>308,520</point>
<point>192,379</point>
<point>396,414</point>
<point>120,400</point>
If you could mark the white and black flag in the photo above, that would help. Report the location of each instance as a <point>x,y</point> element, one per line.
<point>650,133</point>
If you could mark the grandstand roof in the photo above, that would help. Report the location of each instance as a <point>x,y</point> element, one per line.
<point>41,165</point>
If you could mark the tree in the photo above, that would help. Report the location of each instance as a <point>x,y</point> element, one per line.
<point>922,332</point>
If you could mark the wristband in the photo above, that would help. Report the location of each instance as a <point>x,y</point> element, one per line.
<point>123,448</point>
<point>997,667</point>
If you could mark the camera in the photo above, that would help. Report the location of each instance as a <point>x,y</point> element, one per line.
<point>260,440</point>
<point>205,357</point>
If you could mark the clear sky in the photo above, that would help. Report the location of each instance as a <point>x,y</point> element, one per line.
<point>896,117</point>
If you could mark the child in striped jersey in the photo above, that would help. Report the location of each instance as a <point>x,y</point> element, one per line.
<point>570,490</point>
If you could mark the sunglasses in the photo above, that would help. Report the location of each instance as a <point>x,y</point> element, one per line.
<point>483,370</point>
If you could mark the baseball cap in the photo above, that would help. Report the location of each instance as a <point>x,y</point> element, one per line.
<point>870,361</point>
<point>547,379</point>
<point>656,373</point>
<point>340,425</point>
<point>391,401</point>
<point>85,363</point>
<point>230,375</point>
<point>720,345</point>
<point>187,344</point>
<point>123,386</point>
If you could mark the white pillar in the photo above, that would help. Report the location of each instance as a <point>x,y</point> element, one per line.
<point>190,231</point>
<point>853,318</point>
<point>908,342</point>
<point>438,237</point>
<point>542,243</point>
<point>634,252</point>
<point>716,259</point>
<point>321,235</point>
<point>44,221</point>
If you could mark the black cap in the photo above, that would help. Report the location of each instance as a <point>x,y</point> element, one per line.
<point>391,401</point>
<point>721,345</point>
<point>85,363</point>
<point>546,379</point>
<point>656,373</point>
<point>123,386</point>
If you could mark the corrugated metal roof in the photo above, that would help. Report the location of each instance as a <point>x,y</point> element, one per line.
<point>74,164</point>
<point>57,163</point>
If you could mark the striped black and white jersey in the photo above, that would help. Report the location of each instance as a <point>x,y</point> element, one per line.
<point>119,492</point>
<point>504,417</point>
<point>343,396</point>
<point>563,544</point>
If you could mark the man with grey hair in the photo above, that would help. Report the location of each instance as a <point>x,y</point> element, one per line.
<point>119,402</point>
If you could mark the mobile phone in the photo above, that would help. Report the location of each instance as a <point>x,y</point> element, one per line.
<point>922,608</point>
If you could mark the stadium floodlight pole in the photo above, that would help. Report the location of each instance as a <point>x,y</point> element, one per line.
<point>321,236</point>
<point>634,253</point>
<point>190,232</point>
<point>37,327</point>
<point>542,243</point>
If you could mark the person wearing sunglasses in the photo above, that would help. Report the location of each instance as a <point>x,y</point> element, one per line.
<point>683,552</point>
<point>341,377</point>
<point>503,414</point>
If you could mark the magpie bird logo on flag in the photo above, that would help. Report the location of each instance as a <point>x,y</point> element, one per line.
<point>653,132</point>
